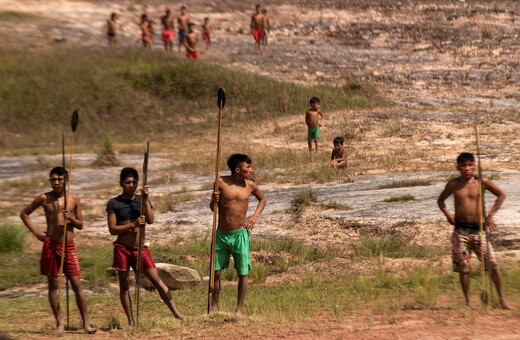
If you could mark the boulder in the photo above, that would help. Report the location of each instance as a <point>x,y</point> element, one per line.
<point>174,277</point>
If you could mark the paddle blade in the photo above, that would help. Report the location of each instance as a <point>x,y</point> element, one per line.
<point>484,297</point>
<point>74,121</point>
<point>221,98</point>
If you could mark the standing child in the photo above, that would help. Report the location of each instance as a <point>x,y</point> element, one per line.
<point>124,221</point>
<point>313,118</point>
<point>112,30</point>
<point>146,26</point>
<point>233,226</point>
<point>466,237</point>
<point>258,27</point>
<point>207,29</point>
<point>56,214</point>
<point>182,23</point>
<point>191,42</point>
<point>338,158</point>
<point>168,32</point>
<point>267,27</point>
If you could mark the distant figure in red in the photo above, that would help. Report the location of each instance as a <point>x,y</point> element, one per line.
<point>168,32</point>
<point>191,42</point>
<point>258,25</point>
<point>146,26</point>
<point>207,29</point>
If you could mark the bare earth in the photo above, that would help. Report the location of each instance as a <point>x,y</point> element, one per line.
<point>440,62</point>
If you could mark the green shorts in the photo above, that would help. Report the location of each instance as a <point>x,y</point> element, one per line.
<point>235,242</point>
<point>313,133</point>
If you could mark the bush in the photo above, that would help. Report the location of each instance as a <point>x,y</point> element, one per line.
<point>12,238</point>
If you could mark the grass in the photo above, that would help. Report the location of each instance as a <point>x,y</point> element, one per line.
<point>25,184</point>
<point>302,200</point>
<point>375,246</point>
<point>118,90</point>
<point>12,238</point>
<point>405,184</point>
<point>399,198</point>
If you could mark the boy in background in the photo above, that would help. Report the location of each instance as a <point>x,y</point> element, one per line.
<point>338,158</point>
<point>313,118</point>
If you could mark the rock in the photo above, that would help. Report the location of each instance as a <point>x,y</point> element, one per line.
<point>174,277</point>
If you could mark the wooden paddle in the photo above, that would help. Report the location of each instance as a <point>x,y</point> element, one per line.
<point>221,102</point>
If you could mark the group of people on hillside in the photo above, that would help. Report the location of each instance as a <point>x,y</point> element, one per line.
<point>186,34</point>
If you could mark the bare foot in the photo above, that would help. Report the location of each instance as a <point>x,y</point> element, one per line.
<point>469,306</point>
<point>59,328</point>
<point>504,305</point>
<point>213,308</point>
<point>89,329</point>
<point>239,313</point>
<point>178,316</point>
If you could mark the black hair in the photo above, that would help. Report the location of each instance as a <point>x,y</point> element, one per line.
<point>338,140</point>
<point>127,173</point>
<point>206,18</point>
<point>264,10</point>
<point>113,15</point>
<point>314,100</point>
<point>183,7</point>
<point>235,160</point>
<point>465,157</point>
<point>191,24</point>
<point>258,6</point>
<point>60,171</point>
<point>144,16</point>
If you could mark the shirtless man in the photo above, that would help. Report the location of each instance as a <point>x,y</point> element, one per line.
<point>191,42</point>
<point>124,221</point>
<point>466,236</point>
<point>182,22</point>
<point>168,32</point>
<point>112,30</point>
<point>207,29</point>
<point>258,24</point>
<point>146,26</point>
<point>267,28</point>
<point>233,226</point>
<point>313,118</point>
<point>56,214</point>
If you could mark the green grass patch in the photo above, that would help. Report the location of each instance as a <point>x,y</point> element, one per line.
<point>374,246</point>
<point>12,238</point>
<point>302,200</point>
<point>16,16</point>
<point>405,184</point>
<point>400,198</point>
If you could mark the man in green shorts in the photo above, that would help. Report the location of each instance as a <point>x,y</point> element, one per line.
<point>233,226</point>
<point>313,119</point>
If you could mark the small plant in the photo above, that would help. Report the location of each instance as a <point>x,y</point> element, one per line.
<point>334,205</point>
<point>400,198</point>
<point>12,238</point>
<point>107,156</point>
<point>302,200</point>
<point>259,273</point>
<point>113,323</point>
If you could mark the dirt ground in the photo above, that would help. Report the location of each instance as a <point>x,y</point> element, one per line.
<point>439,62</point>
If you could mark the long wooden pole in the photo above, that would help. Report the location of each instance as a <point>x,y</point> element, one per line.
<point>483,229</point>
<point>221,102</point>
<point>141,236</point>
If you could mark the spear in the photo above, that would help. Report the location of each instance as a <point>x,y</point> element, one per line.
<point>483,230</point>
<point>74,125</point>
<point>140,236</point>
<point>221,102</point>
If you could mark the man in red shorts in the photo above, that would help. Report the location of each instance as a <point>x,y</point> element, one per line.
<point>56,214</point>
<point>191,42</point>
<point>168,30</point>
<point>258,24</point>
<point>124,221</point>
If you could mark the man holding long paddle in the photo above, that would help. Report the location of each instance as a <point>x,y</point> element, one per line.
<point>124,221</point>
<point>466,236</point>
<point>232,236</point>
<point>56,214</point>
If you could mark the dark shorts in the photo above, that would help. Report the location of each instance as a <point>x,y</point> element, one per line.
<point>126,257</point>
<point>236,243</point>
<point>51,259</point>
<point>182,33</point>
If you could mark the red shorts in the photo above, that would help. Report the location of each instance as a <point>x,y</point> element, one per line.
<point>145,38</point>
<point>168,35</point>
<point>206,37</point>
<point>51,259</point>
<point>126,257</point>
<point>258,33</point>
<point>193,55</point>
